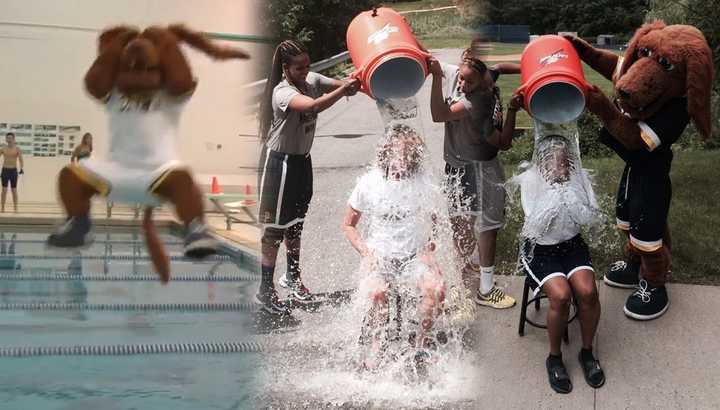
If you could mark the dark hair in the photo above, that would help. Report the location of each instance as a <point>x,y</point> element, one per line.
<point>10,134</point>
<point>400,133</point>
<point>87,134</point>
<point>283,53</point>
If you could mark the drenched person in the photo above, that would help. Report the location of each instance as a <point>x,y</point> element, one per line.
<point>398,250</point>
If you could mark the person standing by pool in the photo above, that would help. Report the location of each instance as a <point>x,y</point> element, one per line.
<point>12,156</point>
<point>288,112</point>
<point>467,100</point>
<point>84,150</point>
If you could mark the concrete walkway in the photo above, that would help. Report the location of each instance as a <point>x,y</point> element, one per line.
<point>672,362</point>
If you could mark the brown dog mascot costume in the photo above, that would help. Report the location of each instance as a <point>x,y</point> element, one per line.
<point>663,82</point>
<point>144,81</point>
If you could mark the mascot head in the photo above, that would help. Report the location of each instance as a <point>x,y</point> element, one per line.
<point>664,62</point>
<point>151,60</point>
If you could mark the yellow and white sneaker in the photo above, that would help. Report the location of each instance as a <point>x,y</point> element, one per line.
<point>461,306</point>
<point>496,299</point>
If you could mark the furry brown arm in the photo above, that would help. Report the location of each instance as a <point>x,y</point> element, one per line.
<point>100,78</point>
<point>602,61</point>
<point>173,64</point>
<point>621,127</point>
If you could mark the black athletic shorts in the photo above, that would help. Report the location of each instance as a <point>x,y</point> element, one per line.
<point>286,188</point>
<point>9,177</point>
<point>642,205</point>
<point>562,259</point>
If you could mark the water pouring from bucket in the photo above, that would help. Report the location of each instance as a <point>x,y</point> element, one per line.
<point>552,80</point>
<point>389,61</point>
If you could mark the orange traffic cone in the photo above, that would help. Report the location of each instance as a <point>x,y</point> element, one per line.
<point>215,187</point>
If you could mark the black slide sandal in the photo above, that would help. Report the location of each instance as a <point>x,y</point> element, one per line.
<point>594,375</point>
<point>558,377</point>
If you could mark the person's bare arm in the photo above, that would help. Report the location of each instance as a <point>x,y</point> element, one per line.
<point>440,111</point>
<point>503,139</point>
<point>352,217</point>
<point>303,103</point>
<point>507,68</point>
<point>20,159</point>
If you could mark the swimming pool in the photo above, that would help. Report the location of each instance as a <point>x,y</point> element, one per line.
<point>95,328</point>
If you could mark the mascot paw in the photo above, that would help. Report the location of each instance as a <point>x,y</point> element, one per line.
<point>579,44</point>
<point>597,102</point>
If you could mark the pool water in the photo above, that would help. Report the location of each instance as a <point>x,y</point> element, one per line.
<point>95,329</point>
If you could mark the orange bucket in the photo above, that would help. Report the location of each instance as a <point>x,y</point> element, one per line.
<point>388,60</point>
<point>552,79</point>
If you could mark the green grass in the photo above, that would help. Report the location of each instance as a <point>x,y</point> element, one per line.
<point>694,219</point>
<point>458,41</point>
<point>418,5</point>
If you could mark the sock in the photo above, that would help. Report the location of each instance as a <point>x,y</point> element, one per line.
<point>486,278</point>
<point>555,359</point>
<point>266,280</point>
<point>586,354</point>
<point>293,268</point>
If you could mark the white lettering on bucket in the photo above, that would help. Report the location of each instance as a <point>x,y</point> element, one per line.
<point>554,57</point>
<point>382,34</point>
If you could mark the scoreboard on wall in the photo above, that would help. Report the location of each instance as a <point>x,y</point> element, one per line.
<point>43,140</point>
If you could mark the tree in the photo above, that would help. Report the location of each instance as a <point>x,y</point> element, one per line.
<point>319,24</point>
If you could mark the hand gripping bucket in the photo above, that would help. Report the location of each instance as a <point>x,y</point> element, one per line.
<point>553,80</point>
<point>388,60</point>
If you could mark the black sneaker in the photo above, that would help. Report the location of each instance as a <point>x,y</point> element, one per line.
<point>647,303</point>
<point>198,241</point>
<point>298,291</point>
<point>623,274</point>
<point>74,233</point>
<point>270,302</point>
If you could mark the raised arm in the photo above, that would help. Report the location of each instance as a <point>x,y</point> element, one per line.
<point>101,76</point>
<point>502,139</point>
<point>303,103</point>
<point>440,111</point>
<point>602,61</point>
<point>507,68</point>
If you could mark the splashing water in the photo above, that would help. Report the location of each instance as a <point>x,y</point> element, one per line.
<point>321,366</point>
<point>556,191</point>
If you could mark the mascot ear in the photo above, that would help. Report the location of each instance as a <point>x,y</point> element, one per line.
<point>201,42</point>
<point>700,73</point>
<point>631,53</point>
<point>122,34</point>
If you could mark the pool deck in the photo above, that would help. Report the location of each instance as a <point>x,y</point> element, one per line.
<point>671,362</point>
<point>37,213</point>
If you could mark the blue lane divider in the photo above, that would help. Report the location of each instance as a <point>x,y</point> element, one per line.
<point>128,277</point>
<point>95,242</point>
<point>142,307</point>
<point>213,258</point>
<point>139,349</point>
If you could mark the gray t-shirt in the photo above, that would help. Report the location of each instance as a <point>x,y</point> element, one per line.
<point>292,132</point>
<point>466,138</point>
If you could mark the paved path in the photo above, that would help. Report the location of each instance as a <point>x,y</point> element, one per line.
<point>672,362</point>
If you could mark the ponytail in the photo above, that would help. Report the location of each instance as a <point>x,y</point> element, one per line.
<point>283,53</point>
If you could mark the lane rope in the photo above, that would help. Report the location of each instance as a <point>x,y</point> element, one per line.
<point>133,349</point>
<point>145,277</point>
<point>133,307</point>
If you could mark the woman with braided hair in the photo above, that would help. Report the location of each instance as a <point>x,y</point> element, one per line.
<point>467,100</point>
<point>288,113</point>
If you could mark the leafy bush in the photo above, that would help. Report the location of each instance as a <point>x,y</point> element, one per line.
<point>319,24</point>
